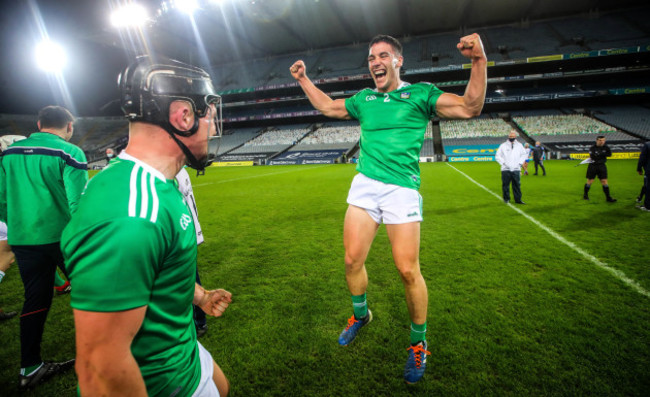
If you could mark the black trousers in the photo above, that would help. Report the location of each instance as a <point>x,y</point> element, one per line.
<point>508,177</point>
<point>37,264</point>
<point>646,185</point>
<point>541,164</point>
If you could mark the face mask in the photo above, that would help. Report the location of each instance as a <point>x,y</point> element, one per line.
<point>511,139</point>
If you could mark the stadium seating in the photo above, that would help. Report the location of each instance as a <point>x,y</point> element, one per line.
<point>561,125</point>
<point>475,128</point>
<point>568,128</point>
<point>635,119</point>
<point>236,138</point>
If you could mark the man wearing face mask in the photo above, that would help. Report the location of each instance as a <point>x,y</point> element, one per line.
<point>131,247</point>
<point>511,155</point>
<point>41,181</point>
<point>393,118</point>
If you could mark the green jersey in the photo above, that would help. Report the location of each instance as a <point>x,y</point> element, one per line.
<point>41,180</point>
<point>131,243</point>
<point>392,131</point>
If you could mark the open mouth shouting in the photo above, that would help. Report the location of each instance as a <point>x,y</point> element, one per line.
<point>379,75</point>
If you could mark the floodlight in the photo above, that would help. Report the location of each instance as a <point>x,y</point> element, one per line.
<point>186,6</point>
<point>129,15</point>
<point>50,56</point>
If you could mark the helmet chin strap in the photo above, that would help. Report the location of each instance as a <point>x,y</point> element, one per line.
<point>192,161</point>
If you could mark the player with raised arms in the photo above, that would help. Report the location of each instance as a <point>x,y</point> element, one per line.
<point>393,118</point>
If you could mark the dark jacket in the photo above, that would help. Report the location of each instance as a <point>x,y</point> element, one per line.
<point>599,154</point>
<point>644,158</point>
<point>538,152</point>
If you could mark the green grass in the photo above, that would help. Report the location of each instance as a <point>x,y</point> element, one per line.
<point>512,311</point>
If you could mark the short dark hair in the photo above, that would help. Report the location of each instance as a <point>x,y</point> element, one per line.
<point>600,137</point>
<point>54,117</point>
<point>384,38</point>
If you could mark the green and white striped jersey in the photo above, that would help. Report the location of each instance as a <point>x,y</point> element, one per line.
<point>131,243</point>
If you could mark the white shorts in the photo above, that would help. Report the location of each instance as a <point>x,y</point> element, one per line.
<point>387,203</point>
<point>206,387</point>
<point>3,231</point>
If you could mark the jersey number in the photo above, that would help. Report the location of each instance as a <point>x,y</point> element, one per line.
<point>386,98</point>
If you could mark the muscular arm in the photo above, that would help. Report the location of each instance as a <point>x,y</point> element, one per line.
<point>105,365</point>
<point>334,108</point>
<point>452,106</point>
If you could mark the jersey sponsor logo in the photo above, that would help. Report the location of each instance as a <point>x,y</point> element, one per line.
<point>405,95</point>
<point>185,221</point>
<point>370,98</point>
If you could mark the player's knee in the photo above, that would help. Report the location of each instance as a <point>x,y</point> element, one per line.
<point>410,273</point>
<point>353,262</point>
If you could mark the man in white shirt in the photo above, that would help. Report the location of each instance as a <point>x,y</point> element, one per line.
<point>511,155</point>
<point>185,186</point>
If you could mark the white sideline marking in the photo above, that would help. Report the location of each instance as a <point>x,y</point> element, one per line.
<point>259,176</point>
<point>615,272</point>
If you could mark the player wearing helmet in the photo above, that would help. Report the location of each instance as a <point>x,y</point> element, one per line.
<point>135,335</point>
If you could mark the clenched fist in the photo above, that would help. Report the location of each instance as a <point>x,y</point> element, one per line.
<point>298,70</point>
<point>471,47</point>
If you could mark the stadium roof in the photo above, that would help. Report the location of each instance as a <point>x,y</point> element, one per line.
<point>223,31</point>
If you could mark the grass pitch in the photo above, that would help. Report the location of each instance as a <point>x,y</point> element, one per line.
<point>515,308</point>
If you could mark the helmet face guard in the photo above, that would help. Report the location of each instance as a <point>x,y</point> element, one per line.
<point>148,88</point>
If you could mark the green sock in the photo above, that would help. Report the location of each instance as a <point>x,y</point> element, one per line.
<point>360,305</point>
<point>27,371</point>
<point>418,332</point>
<point>58,281</point>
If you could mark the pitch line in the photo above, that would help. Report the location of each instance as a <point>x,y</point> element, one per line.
<point>259,176</point>
<point>615,272</point>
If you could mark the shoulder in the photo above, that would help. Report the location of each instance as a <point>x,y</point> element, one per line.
<point>426,86</point>
<point>364,91</point>
<point>75,153</point>
<point>183,177</point>
<point>184,182</point>
<point>124,190</point>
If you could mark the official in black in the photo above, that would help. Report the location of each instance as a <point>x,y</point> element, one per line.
<point>597,167</point>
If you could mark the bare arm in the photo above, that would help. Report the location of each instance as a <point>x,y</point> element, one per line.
<point>452,106</point>
<point>105,365</point>
<point>213,302</point>
<point>334,108</point>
